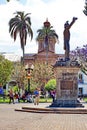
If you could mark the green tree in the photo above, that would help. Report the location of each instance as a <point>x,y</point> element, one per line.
<point>6,67</point>
<point>46,32</point>
<point>51,85</point>
<point>21,24</point>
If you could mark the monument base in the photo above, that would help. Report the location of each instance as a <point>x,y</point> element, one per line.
<point>66,103</point>
<point>67,87</point>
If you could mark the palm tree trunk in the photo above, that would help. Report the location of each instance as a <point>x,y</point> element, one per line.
<point>23,55</point>
<point>47,55</point>
<point>47,48</point>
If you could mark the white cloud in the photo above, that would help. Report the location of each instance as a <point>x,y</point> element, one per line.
<point>57,12</point>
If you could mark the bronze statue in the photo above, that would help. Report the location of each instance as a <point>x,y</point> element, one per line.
<point>66,34</point>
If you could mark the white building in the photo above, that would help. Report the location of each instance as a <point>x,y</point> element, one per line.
<point>82,84</point>
<point>12,57</point>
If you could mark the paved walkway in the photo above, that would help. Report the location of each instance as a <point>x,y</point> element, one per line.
<point>13,120</point>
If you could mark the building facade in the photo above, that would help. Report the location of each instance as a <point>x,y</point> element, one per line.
<point>46,49</point>
<point>82,84</point>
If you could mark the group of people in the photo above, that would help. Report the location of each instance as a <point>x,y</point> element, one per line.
<point>31,98</point>
<point>15,97</point>
<point>26,96</point>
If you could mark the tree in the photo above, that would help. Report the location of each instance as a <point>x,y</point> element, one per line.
<point>41,74</point>
<point>51,85</point>
<point>19,74</point>
<point>85,8</point>
<point>6,67</point>
<point>46,32</point>
<point>21,24</point>
<point>80,54</point>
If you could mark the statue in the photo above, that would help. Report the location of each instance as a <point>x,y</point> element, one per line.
<point>66,34</point>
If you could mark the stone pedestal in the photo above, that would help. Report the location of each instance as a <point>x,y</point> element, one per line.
<point>67,86</point>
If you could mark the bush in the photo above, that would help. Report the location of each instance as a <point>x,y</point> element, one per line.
<point>51,85</point>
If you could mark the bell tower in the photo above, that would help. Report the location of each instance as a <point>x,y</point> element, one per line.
<point>46,30</point>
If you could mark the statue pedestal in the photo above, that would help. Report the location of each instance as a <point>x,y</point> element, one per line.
<point>67,87</point>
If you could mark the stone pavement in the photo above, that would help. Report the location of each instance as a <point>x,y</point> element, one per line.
<point>14,120</point>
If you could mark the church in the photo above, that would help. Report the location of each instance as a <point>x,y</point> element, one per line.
<point>46,39</point>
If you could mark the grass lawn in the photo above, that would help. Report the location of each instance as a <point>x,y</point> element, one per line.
<point>42,100</point>
<point>2,100</point>
<point>85,99</point>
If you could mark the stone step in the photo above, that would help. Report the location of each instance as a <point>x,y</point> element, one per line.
<point>53,110</point>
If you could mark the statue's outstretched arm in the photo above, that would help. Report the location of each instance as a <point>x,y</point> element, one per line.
<point>73,21</point>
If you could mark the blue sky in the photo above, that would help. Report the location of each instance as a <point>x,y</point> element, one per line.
<point>2,1</point>
<point>57,12</point>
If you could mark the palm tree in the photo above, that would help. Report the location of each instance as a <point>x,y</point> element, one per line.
<point>21,24</point>
<point>46,32</point>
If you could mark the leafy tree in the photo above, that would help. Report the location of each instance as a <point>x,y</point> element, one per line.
<point>41,74</point>
<point>19,75</point>
<point>6,67</point>
<point>51,85</point>
<point>80,54</point>
<point>21,24</point>
<point>85,8</point>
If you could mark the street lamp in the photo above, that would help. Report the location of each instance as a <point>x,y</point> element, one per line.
<point>28,74</point>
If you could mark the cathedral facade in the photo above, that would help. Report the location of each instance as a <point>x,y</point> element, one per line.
<point>45,53</point>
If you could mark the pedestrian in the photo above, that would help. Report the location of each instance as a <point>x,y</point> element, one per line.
<point>16,97</point>
<point>53,94</point>
<point>36,95</point>
<point>1,90</point>
<point>11,96</point>
<point>66,35</point>
<point>29,98</point>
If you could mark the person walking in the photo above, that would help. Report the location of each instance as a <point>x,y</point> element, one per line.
<point>53,94</point>
<point>36,99</point>
<point>11,96</point>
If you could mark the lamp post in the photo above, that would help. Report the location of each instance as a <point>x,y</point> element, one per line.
<point>28,74</point>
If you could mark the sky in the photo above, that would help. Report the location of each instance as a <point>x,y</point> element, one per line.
<point>57,12</point>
